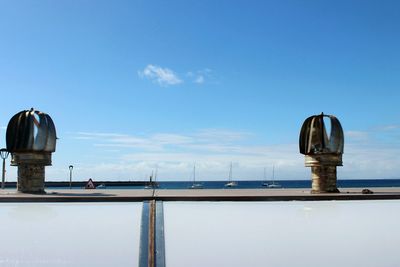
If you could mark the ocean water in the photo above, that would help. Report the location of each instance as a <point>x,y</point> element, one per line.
<point>359,183</point>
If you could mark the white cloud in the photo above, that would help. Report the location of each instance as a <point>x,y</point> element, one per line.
<point>220,135</point>
<point>165,76</point>
<point>200,76</point>
<point>370,161</point>
<point>206,139</point>
<point>391,127</point>
<point>356,136</point>
<point>199,79</point>
<point>162,76</point>
<point>174,154</point>
<point>137,156</point>
<point>94,135</point>
<point>176,139</point>
<point>116,140</point>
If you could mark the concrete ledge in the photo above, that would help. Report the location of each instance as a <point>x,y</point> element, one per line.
<point>137,195</point>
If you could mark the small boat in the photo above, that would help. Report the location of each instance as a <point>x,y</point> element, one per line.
<point>265,183</point>
<point>101,186</point>
<point>230,183</point>
<point>155,184</point>
<point>272,184</point>
<point>150,185</point>
<point>194,184</point>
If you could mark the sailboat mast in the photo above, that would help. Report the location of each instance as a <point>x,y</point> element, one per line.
<point>194,173</point>
<point>273,173</point>
<point>230,173</point>
<point>265,177</point>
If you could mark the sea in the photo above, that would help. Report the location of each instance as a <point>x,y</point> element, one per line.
<point>254,184</point>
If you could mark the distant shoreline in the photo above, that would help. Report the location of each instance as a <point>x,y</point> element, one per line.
<point>241,184</point>
<point>234,195</point>
<point>79,184</point>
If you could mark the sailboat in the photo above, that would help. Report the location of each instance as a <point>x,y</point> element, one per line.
<point>194,184</point>
<point>150,184</point>
<point>265,183</point>
<point>230,183</point>
<point>152,180</point>
<point>155,184</point>
<point>272,184</point>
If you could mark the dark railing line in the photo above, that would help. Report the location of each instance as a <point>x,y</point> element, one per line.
<point>115,198</point>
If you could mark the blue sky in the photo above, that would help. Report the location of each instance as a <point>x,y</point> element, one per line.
<point>132,85</point>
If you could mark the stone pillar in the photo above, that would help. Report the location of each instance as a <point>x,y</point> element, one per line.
<point>323,172</point>
<point>31,171</point>
<point>30,178</point>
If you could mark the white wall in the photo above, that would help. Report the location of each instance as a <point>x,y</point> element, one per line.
<point>78,235</point>
<point>314,233</point>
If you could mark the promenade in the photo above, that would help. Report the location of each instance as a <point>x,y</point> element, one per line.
<point>132,195</point>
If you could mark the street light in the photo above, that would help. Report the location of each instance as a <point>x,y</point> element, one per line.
<point>4,154</point>
<point>70,176</point>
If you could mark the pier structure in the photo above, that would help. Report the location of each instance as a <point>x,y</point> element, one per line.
<point>323,152</point>
<point>31,140</point>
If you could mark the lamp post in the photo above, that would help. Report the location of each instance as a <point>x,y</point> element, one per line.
<point>70,176</point>
<point>4,154</point>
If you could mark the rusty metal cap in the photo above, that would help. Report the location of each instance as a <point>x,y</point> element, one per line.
<point>31,131</point>
<point>314,138</point>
